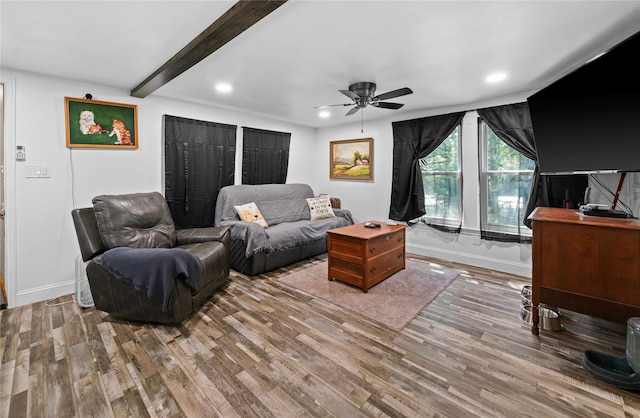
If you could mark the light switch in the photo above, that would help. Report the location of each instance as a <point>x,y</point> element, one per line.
<point>38,171</point>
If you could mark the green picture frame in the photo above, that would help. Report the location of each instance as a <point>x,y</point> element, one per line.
<point>351,159</point>
<point>99,124</point>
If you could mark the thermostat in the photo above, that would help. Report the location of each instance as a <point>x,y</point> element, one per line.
<point>20,153</point>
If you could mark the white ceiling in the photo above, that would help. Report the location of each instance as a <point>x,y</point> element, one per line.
<point>300,55</point>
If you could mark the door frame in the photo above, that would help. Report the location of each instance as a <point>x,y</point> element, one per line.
<point>10,224</point>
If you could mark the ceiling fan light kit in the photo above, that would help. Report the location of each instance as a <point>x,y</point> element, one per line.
<point>362,94</point>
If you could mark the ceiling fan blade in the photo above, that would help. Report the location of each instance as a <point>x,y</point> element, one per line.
<point>350,94</point>
<point>352,111</point>
<point>387,105</point>
<point>394,93</point>
<point>322,107</point>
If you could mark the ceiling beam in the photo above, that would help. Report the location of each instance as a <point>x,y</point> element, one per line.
<point>240,17</point>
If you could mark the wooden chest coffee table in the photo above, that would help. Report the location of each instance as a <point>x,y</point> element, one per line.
<point>364,256</point>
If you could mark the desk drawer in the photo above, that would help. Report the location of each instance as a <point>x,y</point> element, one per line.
<point>389,261</point>
<point>381,245</point>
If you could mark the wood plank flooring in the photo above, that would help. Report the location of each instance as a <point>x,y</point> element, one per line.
<point>261,349</point>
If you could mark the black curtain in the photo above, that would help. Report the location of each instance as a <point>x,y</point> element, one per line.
<point>199,160</point>
<point>512,124</point>
<point>265,156</point>
<point>412,140</point>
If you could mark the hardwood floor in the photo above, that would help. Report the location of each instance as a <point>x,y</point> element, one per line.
<point>261,349</point>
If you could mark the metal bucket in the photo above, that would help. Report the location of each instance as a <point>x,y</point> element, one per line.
<point>549,320</point>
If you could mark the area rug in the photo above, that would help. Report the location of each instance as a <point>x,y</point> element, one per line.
<point>393,302</point>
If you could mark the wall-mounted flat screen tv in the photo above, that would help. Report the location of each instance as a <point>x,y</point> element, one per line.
<point>589,120</point>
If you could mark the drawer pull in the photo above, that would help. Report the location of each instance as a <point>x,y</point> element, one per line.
<point>399,239</point>
<point>399,256</point>
<point>372,249</point>
<point>372,269</point>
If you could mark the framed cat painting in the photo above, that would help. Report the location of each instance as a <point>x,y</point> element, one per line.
<point>97,124</point>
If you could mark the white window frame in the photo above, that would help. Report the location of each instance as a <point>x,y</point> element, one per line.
<point>484,182</point>
<point>449,222</point>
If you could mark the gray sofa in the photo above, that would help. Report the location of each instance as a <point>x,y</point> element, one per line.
<point>291,234</point>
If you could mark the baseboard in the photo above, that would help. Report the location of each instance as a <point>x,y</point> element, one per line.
<point>520,269</point>
<point>38,294</point>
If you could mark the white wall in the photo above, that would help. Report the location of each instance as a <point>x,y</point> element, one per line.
<point>39,209</point>
<point>629,193</point>
<point>370,200</point>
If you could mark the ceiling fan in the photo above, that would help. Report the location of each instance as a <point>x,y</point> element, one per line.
<point>362,94</point>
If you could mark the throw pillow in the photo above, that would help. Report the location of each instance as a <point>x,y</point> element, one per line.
<point>249,212</point>
<point>320,207</point>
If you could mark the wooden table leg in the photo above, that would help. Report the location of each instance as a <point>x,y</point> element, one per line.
<point>3,300</point>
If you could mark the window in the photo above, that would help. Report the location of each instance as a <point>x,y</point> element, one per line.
<point>265,156</point>
<point>505,184</point>
<point>442,180</point>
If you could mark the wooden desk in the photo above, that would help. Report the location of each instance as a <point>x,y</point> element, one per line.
<point>363,256</point>
<point>586,264</point>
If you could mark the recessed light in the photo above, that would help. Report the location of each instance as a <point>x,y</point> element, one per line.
<point>496,77</point>
<point>224,87</point>
<point>324,114</point>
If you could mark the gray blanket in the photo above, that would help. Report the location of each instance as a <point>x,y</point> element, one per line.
<point>153,270</point>
<point>278,203</point>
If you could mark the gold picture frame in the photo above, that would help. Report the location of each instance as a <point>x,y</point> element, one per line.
<point>351,159</point>
<point>98,124</point>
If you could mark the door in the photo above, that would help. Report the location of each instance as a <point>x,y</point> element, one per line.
<point>3,293</point>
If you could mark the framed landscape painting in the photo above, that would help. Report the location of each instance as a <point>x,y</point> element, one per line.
<point>97,124</point>
<point>351,159</point>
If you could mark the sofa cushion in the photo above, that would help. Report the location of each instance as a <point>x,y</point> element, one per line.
<point>291,234</point>
<point>138,220</point>
<point>249,212</point>
<point>320,207</point>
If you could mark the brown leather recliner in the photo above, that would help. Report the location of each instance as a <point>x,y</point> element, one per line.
<point>143,220</point>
